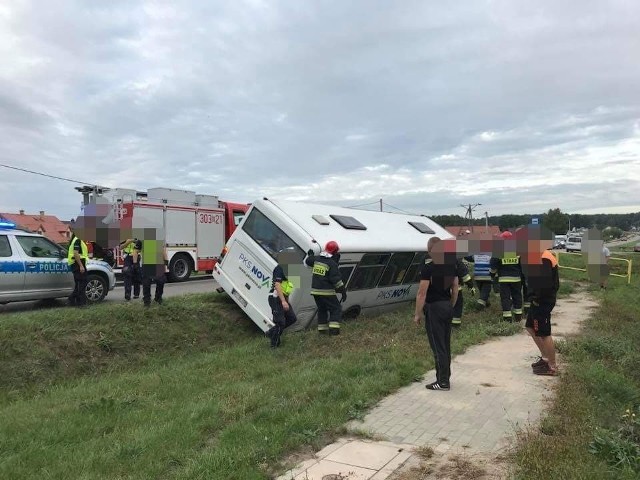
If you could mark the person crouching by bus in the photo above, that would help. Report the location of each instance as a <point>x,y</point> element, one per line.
<point>282,311</point>
<point>437,294</point>
<point>325,283</point>
<point>131,270</point>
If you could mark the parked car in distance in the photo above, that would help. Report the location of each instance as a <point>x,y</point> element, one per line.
<point>636,247</point>
<point>574,244</point>
<point>32,267</point>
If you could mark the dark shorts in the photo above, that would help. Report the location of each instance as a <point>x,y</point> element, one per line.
<point>539,319</point>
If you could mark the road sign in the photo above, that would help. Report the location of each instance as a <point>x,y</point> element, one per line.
<point>534,220</point>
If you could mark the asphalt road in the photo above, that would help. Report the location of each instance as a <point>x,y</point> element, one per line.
<point>200,284</point>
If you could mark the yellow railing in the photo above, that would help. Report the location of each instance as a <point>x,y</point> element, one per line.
<point>628,262</point>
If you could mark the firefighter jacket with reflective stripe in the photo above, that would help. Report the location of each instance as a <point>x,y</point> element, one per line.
<point>543,280</point>
<point>481,266</point>
<point>507,268</point>
<point>462,271</point>
<point>326,278</point>
<point>84,251</point>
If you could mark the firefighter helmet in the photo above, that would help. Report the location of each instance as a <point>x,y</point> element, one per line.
<point>506,235</point>
<point>332,247</point>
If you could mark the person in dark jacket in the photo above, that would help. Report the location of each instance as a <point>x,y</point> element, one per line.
<point>464,278</point>
<point>509,273</point>
<point>437,293</point>
<point>282,311</point>
<point>543,283</point>
<point>325,284</point>
<point>482,277</point>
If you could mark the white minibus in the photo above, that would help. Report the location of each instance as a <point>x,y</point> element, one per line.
<point>381,254</point>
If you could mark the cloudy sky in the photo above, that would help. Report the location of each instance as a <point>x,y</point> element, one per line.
<point>520,106</point>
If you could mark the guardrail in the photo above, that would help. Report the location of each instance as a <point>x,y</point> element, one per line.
<point>626,260</point>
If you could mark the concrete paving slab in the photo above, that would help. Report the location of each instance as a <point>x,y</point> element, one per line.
<point>324,468</point>
<point>364,454</point>
<point>494,393</point>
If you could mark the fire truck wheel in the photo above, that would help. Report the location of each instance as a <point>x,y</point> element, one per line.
<point>180,268</point>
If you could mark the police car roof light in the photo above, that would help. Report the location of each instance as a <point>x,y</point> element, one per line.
<point>7,225</point>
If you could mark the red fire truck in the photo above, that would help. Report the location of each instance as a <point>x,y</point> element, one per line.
<point>196,227</point>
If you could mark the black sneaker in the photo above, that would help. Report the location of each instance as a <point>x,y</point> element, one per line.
<point>437,386</point>
<point>545,369</point>
<point>135,297</point>
<point>538,363</point>
<point>158,301</point>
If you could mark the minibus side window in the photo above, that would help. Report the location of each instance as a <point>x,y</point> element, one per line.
<point>413,272</point>
<point>396,270</point>
<point>271,238</point>
<point>368,271</point>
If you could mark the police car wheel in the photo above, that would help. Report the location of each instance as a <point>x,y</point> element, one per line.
<point>96,288</point>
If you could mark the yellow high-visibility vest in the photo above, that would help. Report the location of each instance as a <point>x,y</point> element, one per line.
<point>84,251</point>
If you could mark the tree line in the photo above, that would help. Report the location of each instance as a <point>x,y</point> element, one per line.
<point>555,220</point>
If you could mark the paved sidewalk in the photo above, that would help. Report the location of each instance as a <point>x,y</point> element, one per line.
<point>493,394</point>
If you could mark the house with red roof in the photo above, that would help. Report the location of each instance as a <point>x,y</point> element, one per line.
<point>48,225</point>
<point>463,230</point>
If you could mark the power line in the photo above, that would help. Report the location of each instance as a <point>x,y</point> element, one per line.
<point>399,209</point>
<point>362,205</point>
<point>49,176</point>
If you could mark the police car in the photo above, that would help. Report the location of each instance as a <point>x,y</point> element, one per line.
<point>32,267</point>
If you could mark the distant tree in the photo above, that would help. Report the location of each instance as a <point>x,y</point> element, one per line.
<point>513,221</point>
<point>611,232</point>
<point>556,221</point>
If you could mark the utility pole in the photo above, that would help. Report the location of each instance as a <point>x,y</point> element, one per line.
<point>486,222</point>
<point>380,204</point>
<point>469,213</point>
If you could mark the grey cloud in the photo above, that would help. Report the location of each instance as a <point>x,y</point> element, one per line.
<point>239,98</point>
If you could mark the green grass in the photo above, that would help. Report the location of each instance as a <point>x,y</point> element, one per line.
<point>587,432</point>
<point>191,389</point>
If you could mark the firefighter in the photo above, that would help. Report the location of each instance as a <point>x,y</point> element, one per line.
<point>131,270</point>
<point>325,283</point>
<point>482,276</point>
<point>77,256</point>
<point>508,271</point>
<point>464,278</point>
<point>281,309</point>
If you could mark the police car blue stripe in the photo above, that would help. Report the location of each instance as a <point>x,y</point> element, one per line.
<point>12,267</point>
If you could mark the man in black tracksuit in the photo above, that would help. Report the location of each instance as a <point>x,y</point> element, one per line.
<point>437,293</point>
<point>325,283</point>
<point>282,311</point>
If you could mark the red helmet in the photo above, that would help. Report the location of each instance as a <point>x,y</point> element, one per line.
<point>331,247</point>
<point>506,235</point>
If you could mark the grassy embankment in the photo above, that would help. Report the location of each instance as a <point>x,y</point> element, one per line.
<point>592,430</point>
<point>191,389</point>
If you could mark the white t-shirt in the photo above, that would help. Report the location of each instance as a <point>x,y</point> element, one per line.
<point>605,254</point>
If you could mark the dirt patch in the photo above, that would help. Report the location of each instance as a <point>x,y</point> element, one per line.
<point>453,467</point>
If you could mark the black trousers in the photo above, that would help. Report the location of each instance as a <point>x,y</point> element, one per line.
<point>511,298</point>
<point>159,280</point>
<point>282,319</point>
<point>438,316</point>
<point>329,313</point>
<point>132,274</point>
<point>79,295</point>
<point>484,292</point>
